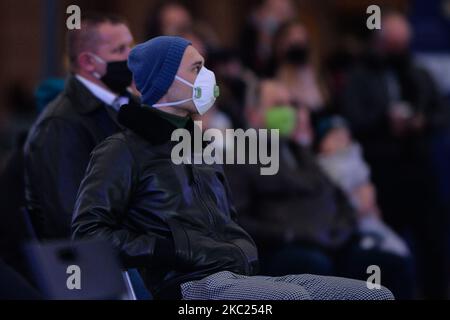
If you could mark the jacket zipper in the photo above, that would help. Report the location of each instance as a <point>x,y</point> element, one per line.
<point>213,221</point>
<point>198,194</point>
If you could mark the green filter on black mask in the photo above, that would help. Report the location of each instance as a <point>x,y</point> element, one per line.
<point>282,118</point>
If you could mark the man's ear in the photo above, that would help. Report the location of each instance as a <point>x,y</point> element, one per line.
<point>86,62</point>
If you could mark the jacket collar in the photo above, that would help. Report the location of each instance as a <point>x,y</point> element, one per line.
<point>104,95</point>
<point>146,122</point>
<point>84,100</point>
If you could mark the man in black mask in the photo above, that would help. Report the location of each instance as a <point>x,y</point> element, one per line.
<point>59,143</point>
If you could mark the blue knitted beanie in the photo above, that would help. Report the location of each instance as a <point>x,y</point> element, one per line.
<point>154,65</point>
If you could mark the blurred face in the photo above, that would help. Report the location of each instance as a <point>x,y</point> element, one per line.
<point>395,34</point>
<point>197,43</point>
<point>174,20</point>
<point>336,140</point>
<point>113,44</point>
<point>272,94</point>
<point>282,10</point>
<point>296,36</point>
<point>275,110</point>
<point>189,68</point>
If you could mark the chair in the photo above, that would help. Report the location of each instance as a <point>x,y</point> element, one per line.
<point>135,286</point>
<point>66,270</point>
<point>137,283</point>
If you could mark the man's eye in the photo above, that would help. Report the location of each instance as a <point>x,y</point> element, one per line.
<point>197,69</point>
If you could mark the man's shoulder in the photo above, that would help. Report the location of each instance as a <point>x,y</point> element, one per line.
<point>131,139</point>
<point>59,110</point>
<point>121,145</point>
<point>58,117</point>
<point>74,104</point>
<point>141,149</point>
<point>122,139</point>
<point>65,115</point>
<point>117,138</point>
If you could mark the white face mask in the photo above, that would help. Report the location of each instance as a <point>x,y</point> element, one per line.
<point>204,93</point>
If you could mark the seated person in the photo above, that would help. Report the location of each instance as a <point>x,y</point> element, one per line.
<point>177,223</point>
<point>341,159</point>
<point>59,143</point>
<point>300,220</point>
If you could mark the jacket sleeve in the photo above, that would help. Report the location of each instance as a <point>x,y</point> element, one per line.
<point>102,203</point>
<point>55,161</point>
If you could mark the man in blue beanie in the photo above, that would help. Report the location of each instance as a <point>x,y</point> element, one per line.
<point>177,223</point>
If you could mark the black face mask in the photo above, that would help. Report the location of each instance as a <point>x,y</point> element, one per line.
<point>117,77</point>
<point>297,55</point>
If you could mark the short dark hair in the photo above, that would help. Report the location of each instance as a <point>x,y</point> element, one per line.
<point>86,37</point>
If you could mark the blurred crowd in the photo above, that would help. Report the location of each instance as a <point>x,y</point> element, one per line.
<point>363,150</point>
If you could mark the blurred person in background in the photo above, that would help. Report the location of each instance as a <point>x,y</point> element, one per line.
<point>292,65</point>
<point>59,144</point>
<point>46,91</point>
<point>256,43</point>
<point>170,18</point>
<point>340,157</point>
<point>14,231</point>
<point>16,116</point>
<point>300,220</point>
<point>235,78</point>
<point>394,108</point>
<point>173,18</point>
<point>337,66</point>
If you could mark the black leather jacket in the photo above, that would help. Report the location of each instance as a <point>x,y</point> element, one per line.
<point>57,152</point>
<point>175,222</point>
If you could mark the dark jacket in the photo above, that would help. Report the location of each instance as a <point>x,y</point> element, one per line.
<point>57,152</point>
<point>367,97</point>
<point>13,229</point>
<point>400,164</point>
<point>175,222</point>
<point>299,204</point>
